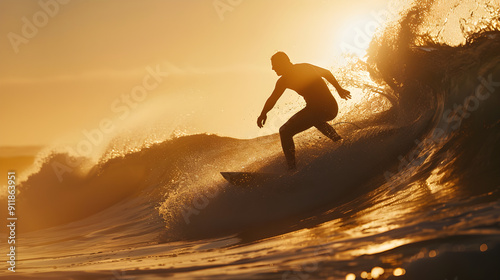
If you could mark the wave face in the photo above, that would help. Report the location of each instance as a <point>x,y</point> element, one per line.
<point>420,177</point>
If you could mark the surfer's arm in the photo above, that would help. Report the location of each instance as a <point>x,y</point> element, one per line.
<point>331,79</point>
<point>271,101</point>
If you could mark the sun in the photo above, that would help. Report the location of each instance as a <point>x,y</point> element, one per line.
<point>357,33</point>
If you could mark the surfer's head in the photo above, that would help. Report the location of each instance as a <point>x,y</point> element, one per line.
<point>281,63</point>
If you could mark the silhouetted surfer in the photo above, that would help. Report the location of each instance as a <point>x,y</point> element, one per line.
<point>306,80</point>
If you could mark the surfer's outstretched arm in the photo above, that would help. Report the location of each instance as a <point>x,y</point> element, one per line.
<point>271,101</point>
<point>345,94</point>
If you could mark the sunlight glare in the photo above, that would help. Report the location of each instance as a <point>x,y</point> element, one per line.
<point>377,272</point>
<point>357,33</point>
<point>399,272</point>
<point>484,248</point>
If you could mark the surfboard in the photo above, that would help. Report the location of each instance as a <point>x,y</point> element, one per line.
<point>248,178</point>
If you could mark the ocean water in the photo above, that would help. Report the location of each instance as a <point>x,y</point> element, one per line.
<point>411,193</point>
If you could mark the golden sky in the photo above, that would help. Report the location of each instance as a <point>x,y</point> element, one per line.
<point>69,67</point>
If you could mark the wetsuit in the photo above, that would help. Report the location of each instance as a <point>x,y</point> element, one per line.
<point>321,107</point>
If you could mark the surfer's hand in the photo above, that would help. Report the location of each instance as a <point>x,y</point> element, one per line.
<point>261,121</point>
<point>345,94</point>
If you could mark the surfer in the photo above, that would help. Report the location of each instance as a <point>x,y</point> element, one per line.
<point>321,107</point>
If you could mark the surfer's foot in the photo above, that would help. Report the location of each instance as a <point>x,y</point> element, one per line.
<point>292,166</point>
<point>292,171</point>
<point>336,138</point>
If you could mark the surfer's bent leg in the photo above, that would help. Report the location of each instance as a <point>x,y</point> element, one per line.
<point>288,148</point>
<point>328,131</point>
<point>328,114</point>
<point>299,122</point>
